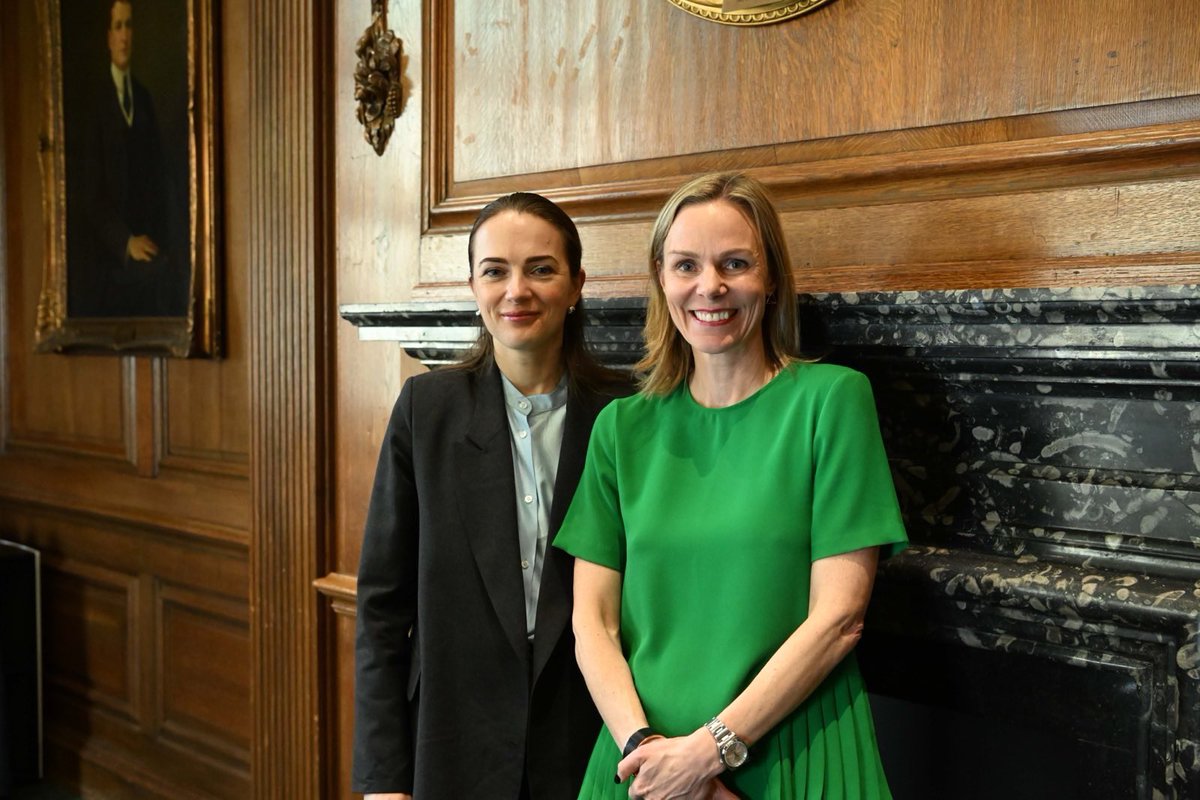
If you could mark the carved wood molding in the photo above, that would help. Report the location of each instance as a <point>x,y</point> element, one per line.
<point>803,175</point>
<point>342,591</point>
<point>288,393</point>
<point>1121,142</point>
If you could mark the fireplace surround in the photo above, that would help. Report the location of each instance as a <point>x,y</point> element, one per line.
<point>1040,637</point>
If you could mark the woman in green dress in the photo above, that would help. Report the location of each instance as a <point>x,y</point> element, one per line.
<point>726,532</point>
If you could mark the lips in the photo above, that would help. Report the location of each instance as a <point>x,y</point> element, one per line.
<point>517,316</point>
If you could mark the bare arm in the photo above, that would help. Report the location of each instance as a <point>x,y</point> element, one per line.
<point>840,588</point>
<point>597,622</point>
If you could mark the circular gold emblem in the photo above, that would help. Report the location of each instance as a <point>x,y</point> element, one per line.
<point>748,12</point>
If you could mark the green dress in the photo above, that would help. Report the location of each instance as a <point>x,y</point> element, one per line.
<point>714,517</point>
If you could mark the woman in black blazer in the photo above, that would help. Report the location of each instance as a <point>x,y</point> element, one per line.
<point>465,678</point>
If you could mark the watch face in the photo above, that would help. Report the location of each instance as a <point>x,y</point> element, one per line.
<point>735,754</point>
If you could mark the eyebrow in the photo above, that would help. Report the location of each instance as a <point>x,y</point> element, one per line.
<point>734,251</point>
<point>530,260</point>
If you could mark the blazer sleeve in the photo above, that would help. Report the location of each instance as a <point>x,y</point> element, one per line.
<point>387,606</point>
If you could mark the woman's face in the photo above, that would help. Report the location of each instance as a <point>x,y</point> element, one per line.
<point>715,279</point>
<point>522,284</point>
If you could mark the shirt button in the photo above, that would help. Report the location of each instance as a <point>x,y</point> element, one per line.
<point>523,405</point>
<point>523,434</point>
<point>528,498</point>
<point>524,564</point>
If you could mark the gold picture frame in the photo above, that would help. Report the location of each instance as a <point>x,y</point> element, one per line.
<point>129,168</point>
<point>748,12</point>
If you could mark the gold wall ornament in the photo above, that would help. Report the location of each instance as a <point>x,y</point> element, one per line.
<point>748,12</point>
<point>377,85</point>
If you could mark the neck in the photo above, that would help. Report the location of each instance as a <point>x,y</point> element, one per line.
<point>722,380</point>
<point>531,372</point>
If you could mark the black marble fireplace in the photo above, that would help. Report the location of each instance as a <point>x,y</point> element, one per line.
<point>1040,639</point>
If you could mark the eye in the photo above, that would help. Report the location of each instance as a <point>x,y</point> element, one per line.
<point>736,264</point>
<point>686,266</point>
<point>491,272</point>
<point>542,270</point>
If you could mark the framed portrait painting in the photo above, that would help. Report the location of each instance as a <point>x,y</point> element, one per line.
<point>129,170</point>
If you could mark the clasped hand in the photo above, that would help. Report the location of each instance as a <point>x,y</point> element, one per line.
<point>675,769</point>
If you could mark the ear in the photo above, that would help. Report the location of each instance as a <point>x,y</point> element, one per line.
<point>580,279</point>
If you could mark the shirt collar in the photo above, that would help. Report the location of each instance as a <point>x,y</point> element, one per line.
<point>534,403</point>
<point>118,76</point>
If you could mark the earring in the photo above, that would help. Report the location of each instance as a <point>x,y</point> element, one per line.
<point>477,312</point>
<point>571,310</point>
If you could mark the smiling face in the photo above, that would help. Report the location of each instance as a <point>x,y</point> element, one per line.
<point>120,34</point>
<point>523,285</point>
<point>715,280</point>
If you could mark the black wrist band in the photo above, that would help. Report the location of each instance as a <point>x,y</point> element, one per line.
<point>636,738</point>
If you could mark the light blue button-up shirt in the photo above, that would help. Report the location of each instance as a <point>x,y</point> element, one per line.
<point>535,426</point>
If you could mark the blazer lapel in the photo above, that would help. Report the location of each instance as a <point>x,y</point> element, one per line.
<point>554,599</point>
<point>488,489</point>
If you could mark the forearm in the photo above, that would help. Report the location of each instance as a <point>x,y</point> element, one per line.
<point>596,619</point>
<point>608,678</point>
<point>840,592</point>
<point>795,670</point>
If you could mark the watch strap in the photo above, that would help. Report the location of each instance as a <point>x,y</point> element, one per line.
<point>726,740</point>
<point>635,739</point>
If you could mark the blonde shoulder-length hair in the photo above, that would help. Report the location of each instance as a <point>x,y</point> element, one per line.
<point>668,360</point>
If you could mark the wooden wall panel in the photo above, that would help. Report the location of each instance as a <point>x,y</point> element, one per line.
<point>68,403</point>
<point>206,415</point>
<point>378,220</point>
<point>124,679</point>
<point>544,86</point>
<point>203,676</point>
<point>290,342</point>
<point>931,144</point>
<point>89,638</point>
<point>130,475</point>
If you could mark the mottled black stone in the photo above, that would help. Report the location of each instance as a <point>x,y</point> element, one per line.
<point>1045,445</point>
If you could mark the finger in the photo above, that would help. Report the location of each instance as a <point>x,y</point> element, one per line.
<point>629,765</point>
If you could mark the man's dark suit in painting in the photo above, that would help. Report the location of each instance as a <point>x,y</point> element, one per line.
<point>123,193</point>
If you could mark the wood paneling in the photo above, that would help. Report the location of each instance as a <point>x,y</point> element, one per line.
<point>932,144</point>
<point>204,672</point>
<point>88,634</point>
<point>144,628</point>
<point>130,475</point>
<point>544,86</point>
<point>290,343</point>
<point>1145,232</point>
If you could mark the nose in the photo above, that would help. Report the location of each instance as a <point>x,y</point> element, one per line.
<point>518,286</point>
<point>711,283</point>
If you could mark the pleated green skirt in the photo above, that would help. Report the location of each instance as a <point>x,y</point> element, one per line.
<point>825,749</point>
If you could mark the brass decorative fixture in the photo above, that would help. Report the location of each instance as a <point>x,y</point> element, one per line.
<point>748,12</point>
<point>377,86</point>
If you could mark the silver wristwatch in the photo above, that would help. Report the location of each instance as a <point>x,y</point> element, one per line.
<point>732,749</point>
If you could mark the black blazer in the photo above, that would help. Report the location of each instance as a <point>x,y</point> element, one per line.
<point>447,711</point>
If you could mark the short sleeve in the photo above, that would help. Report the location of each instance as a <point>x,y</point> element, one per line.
<point>854,499</point>
<point>593,528</point>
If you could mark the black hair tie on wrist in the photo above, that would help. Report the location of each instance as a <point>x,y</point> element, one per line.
<point>636,738</point>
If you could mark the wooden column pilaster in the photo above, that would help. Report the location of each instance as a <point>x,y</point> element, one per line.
<point>289,237</point>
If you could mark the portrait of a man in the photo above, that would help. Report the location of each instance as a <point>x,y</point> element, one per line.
<point>127,201</point>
